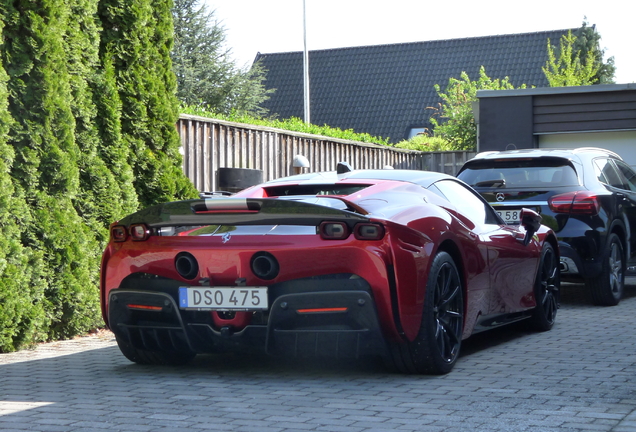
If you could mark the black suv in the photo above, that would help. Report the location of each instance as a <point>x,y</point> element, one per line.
<point>586,195</point>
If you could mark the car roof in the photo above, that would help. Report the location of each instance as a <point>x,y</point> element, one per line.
<point>422,178</point>
<point>556,152</point>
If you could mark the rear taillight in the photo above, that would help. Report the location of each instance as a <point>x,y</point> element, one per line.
<point>139,232</point>
<point>367,231</point>
<point>118,233</point>
<point>340,231</point>
<point>577,202</point>
<point>334,230</point>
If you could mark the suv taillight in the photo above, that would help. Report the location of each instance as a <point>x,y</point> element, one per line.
<point>577,202</point>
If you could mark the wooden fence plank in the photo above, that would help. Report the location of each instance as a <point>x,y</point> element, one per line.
<point>210,144</point>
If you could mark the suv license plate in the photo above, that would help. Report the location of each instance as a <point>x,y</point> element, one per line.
<point>223,298</point>
<point>510,216</point>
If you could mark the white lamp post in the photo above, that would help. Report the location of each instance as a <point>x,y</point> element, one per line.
<point>306,67</point>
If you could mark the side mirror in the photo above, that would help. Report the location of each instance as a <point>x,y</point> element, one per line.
<point>531,221</point>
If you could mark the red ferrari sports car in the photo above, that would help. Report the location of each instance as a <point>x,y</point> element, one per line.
<point>397,263</point>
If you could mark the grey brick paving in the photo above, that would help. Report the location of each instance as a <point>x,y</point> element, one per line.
<point>581,376</point>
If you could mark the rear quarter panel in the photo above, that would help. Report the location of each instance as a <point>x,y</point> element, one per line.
<point>415,243</point>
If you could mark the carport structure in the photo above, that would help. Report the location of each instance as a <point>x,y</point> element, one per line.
<point>559,117</point>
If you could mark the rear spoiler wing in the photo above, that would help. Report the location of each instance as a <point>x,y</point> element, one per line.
<point>240,211</point>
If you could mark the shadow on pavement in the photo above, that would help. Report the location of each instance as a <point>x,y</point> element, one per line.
<point>574,296</point>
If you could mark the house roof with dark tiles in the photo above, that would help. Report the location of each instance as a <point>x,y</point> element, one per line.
<point>384,90</point>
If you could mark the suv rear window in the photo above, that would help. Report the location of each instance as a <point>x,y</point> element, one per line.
<point>527,172</point>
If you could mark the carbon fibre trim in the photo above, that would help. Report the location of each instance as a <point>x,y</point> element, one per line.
<point>241,211</point>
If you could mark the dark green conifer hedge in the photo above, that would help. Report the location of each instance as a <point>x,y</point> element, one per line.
<point>87,115</point>
<point>137,38</point>
<point>22,316</point>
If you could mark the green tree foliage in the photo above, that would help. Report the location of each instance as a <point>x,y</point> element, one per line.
<point>45,169</point>
<point>453,119</point>
<point>136,41</point>
<point>87,132</point>
<point>565,67</point>
<point>588,40</point>
<point>100,199</point>
<point>22,315</point>
<point>113,150</point>
<point>207,77</point>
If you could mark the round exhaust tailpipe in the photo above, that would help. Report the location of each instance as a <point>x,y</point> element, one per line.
<point>186,265</point>
<point>264,265</point>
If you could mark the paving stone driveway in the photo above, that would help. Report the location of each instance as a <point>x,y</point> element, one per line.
<point>581,376</point>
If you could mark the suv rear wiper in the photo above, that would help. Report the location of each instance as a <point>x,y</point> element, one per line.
<point>500,182</point>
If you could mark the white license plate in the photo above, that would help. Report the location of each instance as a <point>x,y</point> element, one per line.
<point>223,298</point>
<point>510,216</point>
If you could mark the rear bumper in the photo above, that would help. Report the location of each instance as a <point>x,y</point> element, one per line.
<point>581,244</point>
<point>352,331</point>
<point>573,266</point>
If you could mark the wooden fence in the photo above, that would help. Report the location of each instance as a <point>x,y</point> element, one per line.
<point>210,144</point>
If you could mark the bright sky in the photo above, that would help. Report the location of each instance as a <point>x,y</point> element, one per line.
<point>272,26</point>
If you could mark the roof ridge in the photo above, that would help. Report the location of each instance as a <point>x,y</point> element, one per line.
<point>469,38</point>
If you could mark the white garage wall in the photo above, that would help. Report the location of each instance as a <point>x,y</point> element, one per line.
<point>621,142</point>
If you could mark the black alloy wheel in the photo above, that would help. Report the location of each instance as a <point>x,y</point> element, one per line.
<point>436,348</point>
<point>607,288</point>
<point>547,290</point>
<point>447,312</point>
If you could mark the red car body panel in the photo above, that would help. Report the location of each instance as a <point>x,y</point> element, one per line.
<point>156,256</point>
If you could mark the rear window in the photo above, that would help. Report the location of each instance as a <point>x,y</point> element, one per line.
<point>314,189</point>
<point>519,173</point>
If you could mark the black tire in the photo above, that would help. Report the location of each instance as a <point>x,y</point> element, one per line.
<point>547,288</point>
<point>436,348</point>
<point>143,357</point>
<point>607,288</point>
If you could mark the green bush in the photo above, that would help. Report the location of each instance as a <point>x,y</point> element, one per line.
<point>426,143</point>
<point>22,315</point>
<point>51,136</point>
<point>136,39</point>
<point>453,119</point>
<point>292,124</point>
<point>87,115</point>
